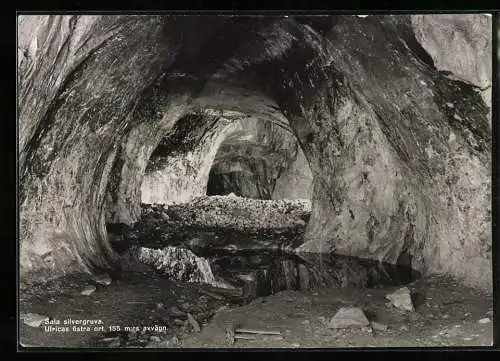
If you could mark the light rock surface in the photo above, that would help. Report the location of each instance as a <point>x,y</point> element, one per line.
<point>72,110</point>
<point>296,181</point>
<point>251,163</point>
<point>103,279</point>
<point>88,290</point>
<point>349,318</point>
<point>401,299</point>
<point>34,319</point>
<point>179,264</point>
<point>459,43</point>
<point>183,175</point>
<point>236,212</point>
<point>379,326</point>
<point>193,323</point>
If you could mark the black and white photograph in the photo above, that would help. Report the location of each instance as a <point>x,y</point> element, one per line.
<point>255,181</point>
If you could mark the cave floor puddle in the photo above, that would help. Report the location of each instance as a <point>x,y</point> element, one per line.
<point>261,273</point>
<point>447,314</point>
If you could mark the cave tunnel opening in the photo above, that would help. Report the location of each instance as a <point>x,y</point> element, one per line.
<point>194,171</point>
<point>264,162</point>
<point>236,168</point>
<point>231,199</point>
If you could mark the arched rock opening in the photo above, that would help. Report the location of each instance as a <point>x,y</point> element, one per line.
<point>251,163</point>
<point>399,152</point>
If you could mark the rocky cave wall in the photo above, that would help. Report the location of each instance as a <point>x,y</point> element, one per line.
<point>170,99</point>
<point>70,120</point>
<point>444,36</point>
<point>296,181</point>
<point>399,151</point>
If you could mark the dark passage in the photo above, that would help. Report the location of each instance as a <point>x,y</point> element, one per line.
<point>224,184</point>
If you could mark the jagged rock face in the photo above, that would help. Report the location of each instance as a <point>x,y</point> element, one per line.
<point>169,100</point>
<point>272,166</point>
<point>460,44</point>
<point>399,152</point>
<point>179,168</point>
<point>396,126</point>
<point>218,223</point>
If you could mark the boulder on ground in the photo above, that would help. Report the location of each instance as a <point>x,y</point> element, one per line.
<point>34,319</point>
<point>484,320</point>
<point>379,326</point>
<point>88,290</point>
<point>348,317</point>
<point>401,299</point>
<point>103,279</point>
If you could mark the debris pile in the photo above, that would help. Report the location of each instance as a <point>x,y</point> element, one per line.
<point>223,222</point>
<point>236,212</point>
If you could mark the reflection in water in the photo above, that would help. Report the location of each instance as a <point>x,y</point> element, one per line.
<point>261,273</point>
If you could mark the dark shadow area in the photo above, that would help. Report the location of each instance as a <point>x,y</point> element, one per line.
<point>407,34</point>
<point>224,184</point>
<point>418,299</point>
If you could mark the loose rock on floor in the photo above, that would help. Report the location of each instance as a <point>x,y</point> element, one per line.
<point>88,290</point>
<point>348,317</point>
<point>103,279</point>
<point>34,319</point>
<point>401,299</point>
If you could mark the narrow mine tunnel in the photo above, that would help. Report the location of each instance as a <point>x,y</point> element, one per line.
<point>326,178</point>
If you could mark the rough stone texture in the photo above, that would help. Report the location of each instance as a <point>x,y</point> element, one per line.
<point>459,43</point>
<point>34,319</point>
<point>238,213</point>
<point>379,326</point>
<point>179,264</point>
<point>183,174</point>
<point>401,299</point>
<point>76,90</point>
<point>87,291</point>
<point>179,168</point>
<point>193,323</point>
<point>171,99</point>
<point>348,317</point>
<point>124,188</point>
<point>226,222</point>
<point>417,206</point>
<point>67,41</point>
<point>103,279</point>
<point>296,181</point>
<point>397,171</point>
